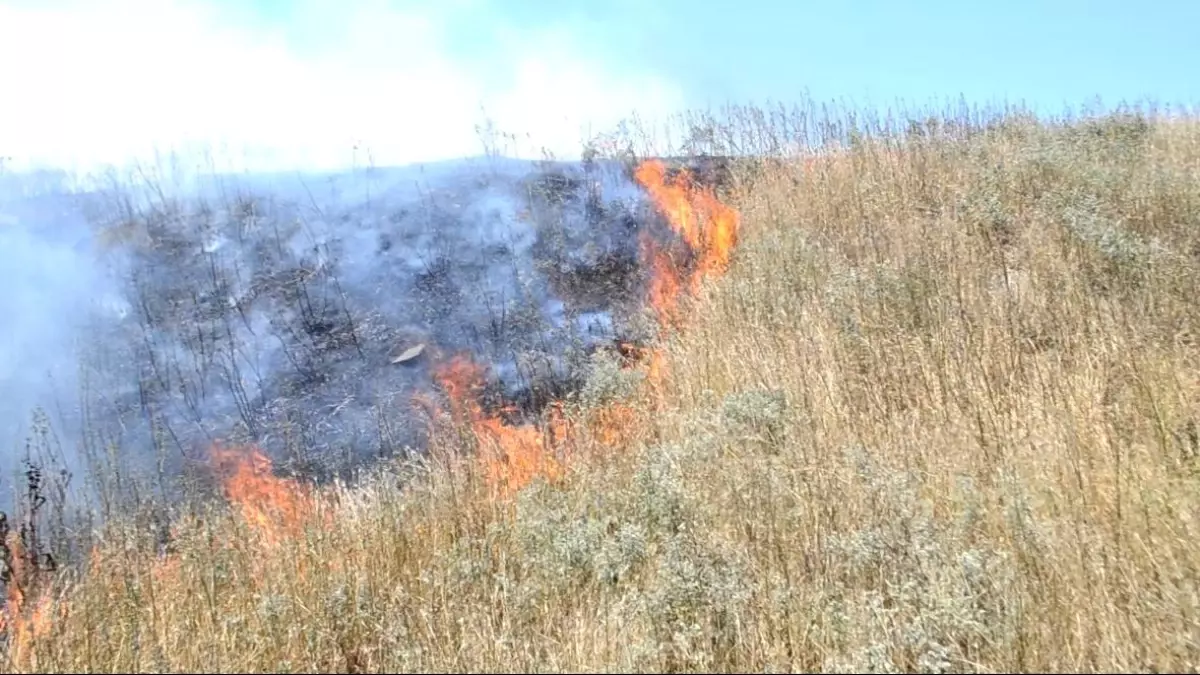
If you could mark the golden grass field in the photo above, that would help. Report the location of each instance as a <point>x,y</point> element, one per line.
<point>937,410</point>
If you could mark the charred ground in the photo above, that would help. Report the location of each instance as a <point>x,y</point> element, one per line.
<point>278,317</point>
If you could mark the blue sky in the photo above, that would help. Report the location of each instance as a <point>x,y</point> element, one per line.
<point>1048,52</point>
<point>318,83</point>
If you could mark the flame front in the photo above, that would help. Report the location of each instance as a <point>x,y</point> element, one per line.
<point>708,226</point>
<point>270,504</point>
<point>512,456</point>
<point>24,627</point>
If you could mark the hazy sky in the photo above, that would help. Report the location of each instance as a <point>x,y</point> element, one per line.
<point>292,84</point>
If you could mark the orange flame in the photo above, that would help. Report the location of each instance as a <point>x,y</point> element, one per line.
<point>270,504</point>
<point>614,424</point>
<point>708,226</point>
<point>665,285</point>
<point>22,628</point>
<point>512,456</point>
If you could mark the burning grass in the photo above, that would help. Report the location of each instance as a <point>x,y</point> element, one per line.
<point>707,226</point>
<point>274,507</point>
<point>513,456</point>
<point>937,412</point>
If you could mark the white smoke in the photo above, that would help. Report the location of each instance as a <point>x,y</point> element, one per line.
<point>90,83</point>
<point>55,285</point>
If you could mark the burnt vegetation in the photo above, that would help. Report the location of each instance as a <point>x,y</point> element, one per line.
<point>257,319</point>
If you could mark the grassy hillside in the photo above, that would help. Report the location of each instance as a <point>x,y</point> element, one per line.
<point>937,412</point>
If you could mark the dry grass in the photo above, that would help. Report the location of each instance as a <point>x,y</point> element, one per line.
<point>940,415</point>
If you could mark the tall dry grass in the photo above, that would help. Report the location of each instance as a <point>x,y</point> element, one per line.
<point>940,415</point>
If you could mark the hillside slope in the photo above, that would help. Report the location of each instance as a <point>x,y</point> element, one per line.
<point>938,414</point>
